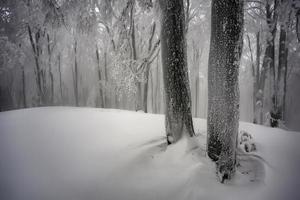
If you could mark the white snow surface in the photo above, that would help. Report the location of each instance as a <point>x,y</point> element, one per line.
<point>63,153</point>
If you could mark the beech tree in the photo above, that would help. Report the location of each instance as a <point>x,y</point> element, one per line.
<point>178,116</point>
<point>223,92</point>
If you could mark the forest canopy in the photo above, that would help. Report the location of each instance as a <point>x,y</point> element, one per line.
<point>107,53</point>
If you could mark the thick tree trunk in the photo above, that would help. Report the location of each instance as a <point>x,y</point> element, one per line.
<point>223,92</point>
<point>175,72</point>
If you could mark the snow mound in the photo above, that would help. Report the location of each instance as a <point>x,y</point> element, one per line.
<point>63,153</point>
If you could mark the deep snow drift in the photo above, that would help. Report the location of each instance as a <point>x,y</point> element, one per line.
<point>83,153</point>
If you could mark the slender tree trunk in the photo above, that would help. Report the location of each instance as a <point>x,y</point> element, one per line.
<point>138,83</point>
<point>257,91</point>
<point>24,88</point>
<point>106,98</point>
<point>175,71</point>
<point>284,115</point>
<point>223,91</point>
<point>268,64</point>
<point>34,41</point>
<point>52,86</point>
<point>197,95</point>
<point>269,58</point>
<point>282,68</point>
<point>152,93</point>
<point>50,71</point>
<point>145,95</point>
<point>151,48</point>
<point>157,100</point>
<point>99,78</point>
<point>75,75</point>
<point>60,78</point>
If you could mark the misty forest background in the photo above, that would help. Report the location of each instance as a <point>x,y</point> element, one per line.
<point>106,54</point>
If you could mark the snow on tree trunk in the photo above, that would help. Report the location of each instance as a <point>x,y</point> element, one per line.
<point>269,58</point>
<point>223,91</point>
<point>175,72</point>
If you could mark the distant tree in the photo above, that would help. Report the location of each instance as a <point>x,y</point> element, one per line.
<point>178,116</point>
<point>223,90</point>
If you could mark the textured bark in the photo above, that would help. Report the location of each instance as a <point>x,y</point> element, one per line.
<point>269,58</point>
<point>223,91</point>
<point>282,70</point>
<point>178,116</point>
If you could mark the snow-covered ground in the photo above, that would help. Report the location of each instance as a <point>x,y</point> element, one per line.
<point>64,153</point>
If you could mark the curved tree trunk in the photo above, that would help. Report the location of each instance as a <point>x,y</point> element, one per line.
<point>175,72</point>
<point>223,92</point>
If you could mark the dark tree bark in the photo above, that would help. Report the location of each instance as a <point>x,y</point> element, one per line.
<point>282,70</point>
<point>223,92</point>
<point>134,55</point>
<point>50,71</point>
<point>157,99</point>
<point>145,95</point>
<point>75,76</point>
<point>147,67</point>
<point>256,75</point>
<point>24,88</point>
<point>106,97</point>
<point>178,116</point>
<point>60,78</point>
<point>259,90</point>
<point>99,78</point>
<point>269,58</point>
<point>34,41</point>
<point>284,107</point>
